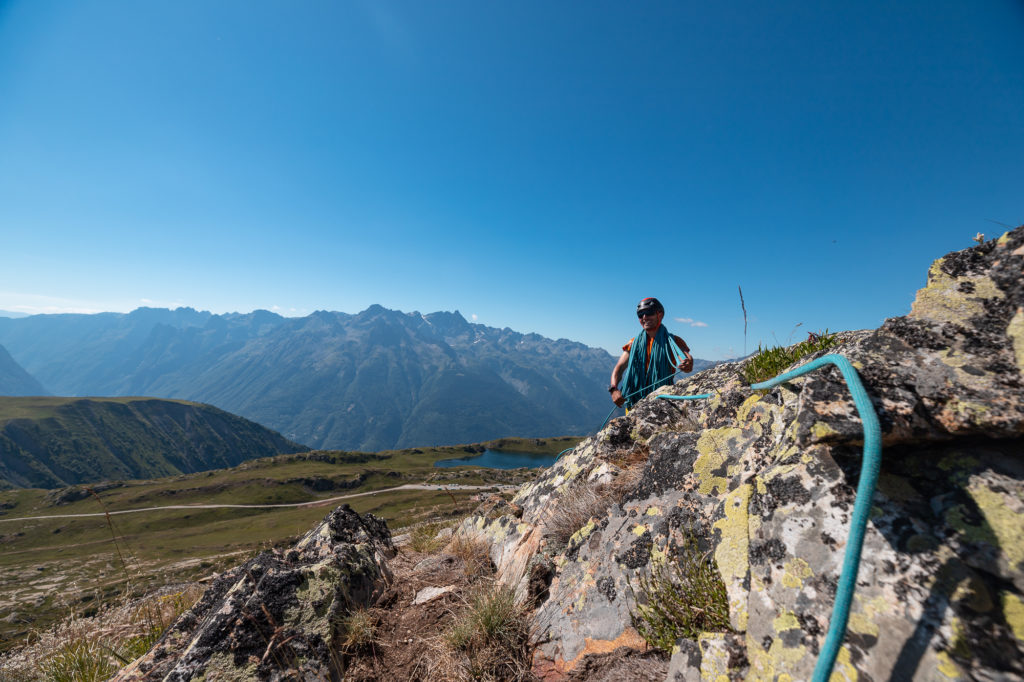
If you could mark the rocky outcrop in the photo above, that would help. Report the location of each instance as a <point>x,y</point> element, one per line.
<point>764,483</point>
<point>277,616</point>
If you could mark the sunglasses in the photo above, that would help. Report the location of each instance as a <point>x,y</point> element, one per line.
<point>646,313</point>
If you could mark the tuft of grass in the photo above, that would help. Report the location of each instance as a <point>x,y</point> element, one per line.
<point>493,633</point>
<point>770,362</point>
<point>84,649</point>
<point>581,502</point>
<point>475,554</point>
<point>360,627</point>
<point>79,660</point>
<point>681,597</point>
<point>423,538</point>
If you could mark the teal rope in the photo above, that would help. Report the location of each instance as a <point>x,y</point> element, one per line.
<point>870,465</point>
<point>696,396</point>
<point>676,351</point>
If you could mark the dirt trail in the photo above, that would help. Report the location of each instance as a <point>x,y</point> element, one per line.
<point>313,503</point>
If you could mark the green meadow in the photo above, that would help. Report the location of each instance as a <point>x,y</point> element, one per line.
<point>53,567</point>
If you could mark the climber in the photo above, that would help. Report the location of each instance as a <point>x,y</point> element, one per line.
<point>643,375</point>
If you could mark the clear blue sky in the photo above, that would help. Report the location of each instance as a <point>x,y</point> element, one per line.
<point>535,165</point>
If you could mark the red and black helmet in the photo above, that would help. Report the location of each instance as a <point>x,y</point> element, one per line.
<point>648,305</point>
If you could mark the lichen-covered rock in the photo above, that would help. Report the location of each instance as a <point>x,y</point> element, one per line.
<point>276,617</point>
<point>765,483</point>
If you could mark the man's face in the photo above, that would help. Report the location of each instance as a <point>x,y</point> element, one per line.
<point>651,321</point>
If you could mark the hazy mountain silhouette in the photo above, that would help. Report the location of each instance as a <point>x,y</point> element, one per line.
<point>374,380</point>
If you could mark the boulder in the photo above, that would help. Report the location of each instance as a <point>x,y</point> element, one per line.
<point>763,484</point>
<point>278,616</point>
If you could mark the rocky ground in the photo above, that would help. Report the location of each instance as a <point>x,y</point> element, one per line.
<point>729,514</point>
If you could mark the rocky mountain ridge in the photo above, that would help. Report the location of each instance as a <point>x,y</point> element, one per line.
<point>379,379</point>
<point>758,486</point>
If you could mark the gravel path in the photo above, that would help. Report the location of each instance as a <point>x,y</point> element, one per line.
<point>313,503</point>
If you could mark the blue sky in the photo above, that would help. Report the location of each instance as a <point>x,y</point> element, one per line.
<point>535,165</point>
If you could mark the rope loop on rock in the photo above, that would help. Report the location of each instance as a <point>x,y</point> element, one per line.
<point>870,465</point>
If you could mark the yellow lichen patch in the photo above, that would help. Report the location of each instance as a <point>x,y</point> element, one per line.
<point>843,670</point>
<point>941,299</point>
<point>786,621</point>
<point>640,529</point>
<point>1006,523</point>
<point>946,666</point>
<point>1015,331</point>
<point>652,511</point>
<point>795,572</point>
<point>731,555</point>
<point>711,457</point>
<point>774,664</point>
<point>744,410</point>
<point>862,625</point>
<point>960,646</point>
<point>1013,610</point>
<point>973,592</point>
<point>714,659</point>
<point>583,532</point>
<point>821,431</point>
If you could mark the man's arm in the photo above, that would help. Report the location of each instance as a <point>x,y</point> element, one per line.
<point>620,368</point>
<point>687,364</point>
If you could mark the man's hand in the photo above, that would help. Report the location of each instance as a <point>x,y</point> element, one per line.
<point>686,365</point>
<point>618,398</point>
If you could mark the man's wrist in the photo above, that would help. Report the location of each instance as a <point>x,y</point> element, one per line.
<point>612,389</point>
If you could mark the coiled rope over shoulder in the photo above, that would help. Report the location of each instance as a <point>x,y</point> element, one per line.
<point>870,465</point>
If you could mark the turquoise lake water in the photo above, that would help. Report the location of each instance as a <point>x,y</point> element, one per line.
<point>492,459</point>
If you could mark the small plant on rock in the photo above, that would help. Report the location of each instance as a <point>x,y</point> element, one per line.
<point>680,597</point>
<point>770,362</point>
<point>578,504</point>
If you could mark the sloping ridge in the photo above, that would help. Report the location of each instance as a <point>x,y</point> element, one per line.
<point>762,484</point>
<point>765,482</point>
<point>53,442</point>
<point>14,380</point>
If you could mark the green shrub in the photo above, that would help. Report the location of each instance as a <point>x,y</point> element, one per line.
<point>768,363</point>
<point>681,597</point>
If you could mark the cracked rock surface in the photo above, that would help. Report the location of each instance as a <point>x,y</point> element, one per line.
<point>764,483</point>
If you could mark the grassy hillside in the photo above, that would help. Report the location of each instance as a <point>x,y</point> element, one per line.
<point>52,442</point>
<point>52,567</point>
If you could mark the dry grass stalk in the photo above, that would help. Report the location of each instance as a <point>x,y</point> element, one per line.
<point>475,554</point>
<point>82,649</point>
<point>580,502</point>
<point>489,639</point>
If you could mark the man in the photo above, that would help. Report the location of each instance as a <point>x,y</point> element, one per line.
<point>647,365</point>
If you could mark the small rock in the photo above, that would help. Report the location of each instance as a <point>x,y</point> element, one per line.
<point>431,593</point>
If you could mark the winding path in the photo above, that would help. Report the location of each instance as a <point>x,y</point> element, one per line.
<point>314,503</point>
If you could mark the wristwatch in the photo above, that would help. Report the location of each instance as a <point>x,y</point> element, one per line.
<point>612,389</point>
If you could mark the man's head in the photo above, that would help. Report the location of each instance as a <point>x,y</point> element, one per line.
<point>650,313</point>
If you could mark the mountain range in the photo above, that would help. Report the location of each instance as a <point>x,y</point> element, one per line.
<point>374,380</point>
